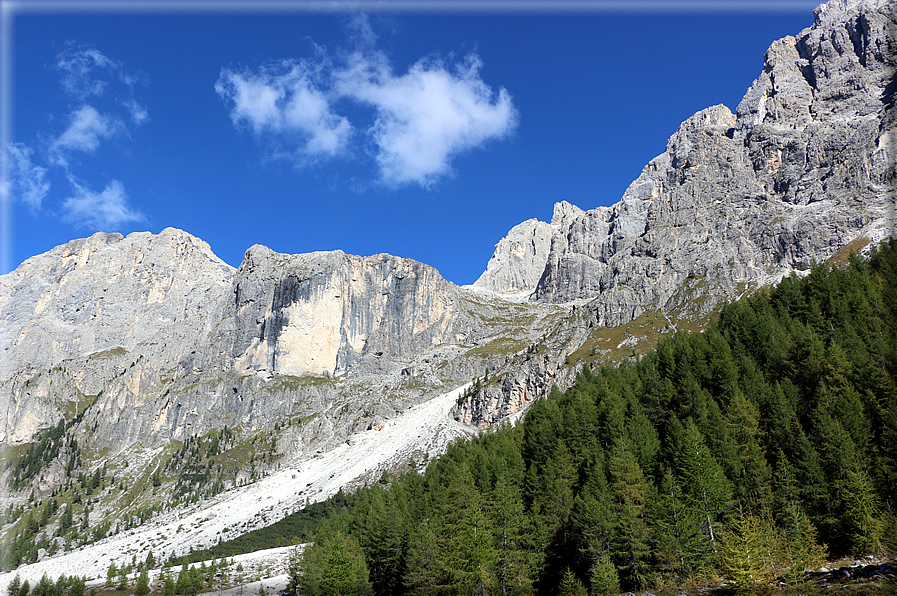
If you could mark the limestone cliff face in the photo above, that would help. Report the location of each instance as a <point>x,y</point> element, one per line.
<point>804,167</point>
<point>159,339</point>
<point>90,302</point>
<point>320,313</point>
<point>519,258</point>
<point>107,292</point>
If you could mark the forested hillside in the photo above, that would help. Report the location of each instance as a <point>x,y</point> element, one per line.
<point>751,451</point>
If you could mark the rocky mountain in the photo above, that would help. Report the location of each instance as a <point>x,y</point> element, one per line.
<point>804,167</point>
<point>148,350</point>
<point>165,340</point>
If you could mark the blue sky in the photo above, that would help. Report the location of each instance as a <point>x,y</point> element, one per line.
<point>422,133</point>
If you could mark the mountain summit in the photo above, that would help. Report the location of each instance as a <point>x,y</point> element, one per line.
<point>173,366</point>
<point>804,167</point>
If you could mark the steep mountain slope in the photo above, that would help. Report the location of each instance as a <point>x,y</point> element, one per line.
<point>126,359</point>
<point>144,343</point>
<point>804,167</point>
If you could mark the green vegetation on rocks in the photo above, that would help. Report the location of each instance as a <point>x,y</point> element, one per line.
<point>748,452</point>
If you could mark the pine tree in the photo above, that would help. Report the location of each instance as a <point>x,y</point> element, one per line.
<point>344,571</point>
<point>122,579</point>
<point>334,563</point>
<point>511,530</point>
<point>702,479</point>
<point>294,570</point>
<point>168,586</point>
<point>862,513</point>
<point>14,586</point>
<point>604,577</point>
<point>681,548</point>
<point>383,539</point>
<point>594,514</point>
<point>425,574</point>
<point>744,557</point>
<point>67,519</point>
<point>45,587</point>
<point>142,588</point>
<point>753,479</point>
<point>631,549</point>
<point>111,574</point>
<point>798,548</point>
<point>570,585</point>
<point>77,586</point>
<point>561,475</point>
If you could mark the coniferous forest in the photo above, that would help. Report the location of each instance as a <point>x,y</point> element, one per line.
<point>749,452</point>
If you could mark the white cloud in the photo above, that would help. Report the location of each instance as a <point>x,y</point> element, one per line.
<point>422,119</point>
<point>78,67</point>
<point>106,210</point>
<point>103,95</point>
<point>28,180</point>
<point>139,115</point>
<point>86,129</point>
<point>287,102</point>
<point>86,72</point>
<point>427,116</point>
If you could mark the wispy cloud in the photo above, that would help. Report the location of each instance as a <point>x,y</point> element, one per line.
<point>86,72</point>
<point>107,209</point>
<point>78,71</point>
<point>100,97</point>
<point>139,115</point>
<point>423,118</point>
<point>86,128</point>
<point>29,181</point>
<point>286,100</point>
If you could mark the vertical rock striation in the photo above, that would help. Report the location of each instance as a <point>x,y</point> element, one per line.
<point>159,339</point>
<point>319,313</point>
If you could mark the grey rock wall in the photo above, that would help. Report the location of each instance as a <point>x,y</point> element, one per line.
<point>156,339</point>
<point>320,313</point>
<point>804,167</point>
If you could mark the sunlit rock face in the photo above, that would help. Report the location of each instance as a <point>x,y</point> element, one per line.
<point>107,292</point>
<point>803,167</point>
<point>72,315</point>
<point>152,338</point>
<point>519,258</point>
<point>159,339</point>
<point>318,313</point>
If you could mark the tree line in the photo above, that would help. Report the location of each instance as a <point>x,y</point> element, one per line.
<point>751,451</point>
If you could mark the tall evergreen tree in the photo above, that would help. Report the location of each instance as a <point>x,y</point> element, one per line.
<point>467,539</point>
<point>681,546</point>
<point>631,535</point>
<point>862,513</point>
<point>514,561</point>
<point>744,557</point>
<point>426,574</point>
<point>705,485</point>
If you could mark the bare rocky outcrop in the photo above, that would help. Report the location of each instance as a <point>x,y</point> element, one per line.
<point>107,292</point>
<point>152,339</point>
<point>519,259</point>
<point>803,168</point>
<point>320,313</point>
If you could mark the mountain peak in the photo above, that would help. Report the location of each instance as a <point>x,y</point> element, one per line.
<point>804,168</point>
